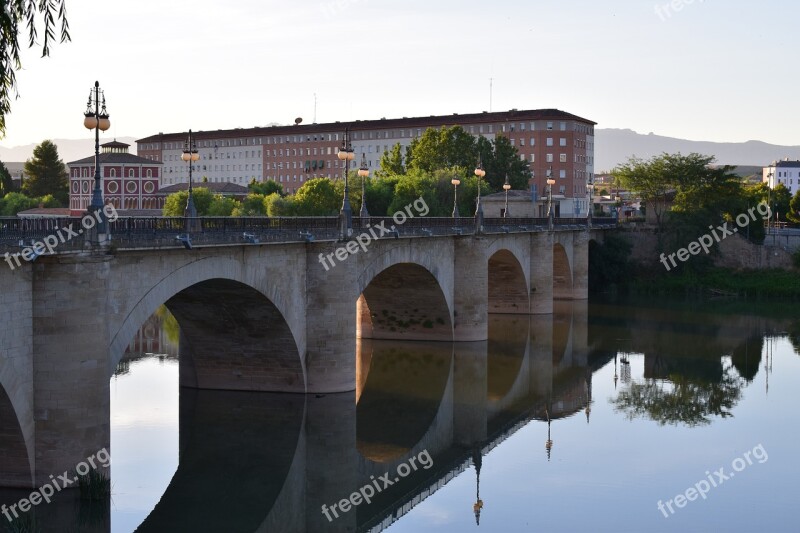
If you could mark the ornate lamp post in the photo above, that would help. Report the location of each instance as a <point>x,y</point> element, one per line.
<point>346,213</point>
<point>96,118</point>
<point>363,173</point>
<point>550,183</point>
<point>456,182</point>
<point>590,188</point>
<point>190,155</point>
<point>479,208</point>
<point>477,460</point>
<point>506,187</point>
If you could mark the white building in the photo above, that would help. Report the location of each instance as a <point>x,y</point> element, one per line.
<point>785,172</point>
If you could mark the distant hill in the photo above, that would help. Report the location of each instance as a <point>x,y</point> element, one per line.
<point>68,149</point>
<point>614,146</point>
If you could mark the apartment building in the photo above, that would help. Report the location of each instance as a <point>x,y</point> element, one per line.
<point>785,172</point>
<point>548,139</point>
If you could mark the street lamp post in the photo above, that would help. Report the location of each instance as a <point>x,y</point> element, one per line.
<point>96,118</point>
<point>480,173</point>
<point>346,213</point>
<point>363,173</point>
<point>506,187</point>
<point>190,155</point>
<point>456,182</point>
<point>590,187</point>
<point>550,183</point>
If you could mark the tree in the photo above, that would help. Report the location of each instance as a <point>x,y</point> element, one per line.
<point>391,162</point>
<point>780,200</point>
<point>222,206</point>
<point>793,215</point>
<point>14,202</point>
<point>46,173</point>
<point>279,206</point>
<point>650,180</point>
<point>442,148</point>
<point>14,14</point>
<point>500,159</point>
<point>317,197</point>
<point>251,206</point>
<point>175,204</point>
<point>265,188</point>
<point>6,183</point>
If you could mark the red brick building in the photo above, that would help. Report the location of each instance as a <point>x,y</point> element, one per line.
<point>128,181</point>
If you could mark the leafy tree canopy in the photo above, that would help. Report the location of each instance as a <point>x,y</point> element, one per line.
<point>46,173</point>
<point>265,188</point>
<point>6,183</point>
<point>175,203</point>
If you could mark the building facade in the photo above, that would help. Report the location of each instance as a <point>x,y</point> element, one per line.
<point>785,172</point>
<point>128,182</point>
<point>290,155</point>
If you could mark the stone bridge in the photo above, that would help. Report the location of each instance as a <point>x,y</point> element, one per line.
<point>265,317</point>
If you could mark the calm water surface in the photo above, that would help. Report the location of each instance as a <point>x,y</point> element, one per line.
<point>580,421</point>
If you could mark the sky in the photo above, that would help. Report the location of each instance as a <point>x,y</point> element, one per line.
<point>698,69</point>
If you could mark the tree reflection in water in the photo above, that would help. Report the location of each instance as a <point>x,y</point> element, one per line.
<point>681,399</point>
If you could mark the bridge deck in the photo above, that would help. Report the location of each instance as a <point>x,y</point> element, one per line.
<point>161,232</point>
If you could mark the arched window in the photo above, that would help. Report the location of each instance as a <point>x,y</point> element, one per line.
<point>112,173</point>
<point>149,172</point>
<point>131,173</point>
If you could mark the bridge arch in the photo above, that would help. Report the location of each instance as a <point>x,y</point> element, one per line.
<point>215,296</point>
<point>15,465</point>
<point>401,398</point>
<point>562,273</point>
<point>404,295</point>
<point>508,284</point>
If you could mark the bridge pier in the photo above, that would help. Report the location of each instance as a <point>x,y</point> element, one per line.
<point>70,362</point>
<point>470,290</point>
<point>331,299</point>
<point>541,273</point>
<point>16,378</point>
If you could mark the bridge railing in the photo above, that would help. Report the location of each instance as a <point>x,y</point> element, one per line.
<point>163,232</point>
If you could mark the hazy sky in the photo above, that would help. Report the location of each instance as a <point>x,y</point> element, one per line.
<point>711,70</point>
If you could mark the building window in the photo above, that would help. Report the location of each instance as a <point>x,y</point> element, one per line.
<point>562,141</point>
<point>563,126</point>
<point>562,158</point>
<point>562,173</point>
<point>549,125</point>
<point>549,141</point>
<point>549,158</point>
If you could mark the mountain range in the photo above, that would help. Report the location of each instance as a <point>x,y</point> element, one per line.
<point>612,147</point>
<point>615,146</point>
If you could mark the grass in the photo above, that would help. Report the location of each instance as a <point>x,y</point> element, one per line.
<point>94,486</point>
<point>776,283</point>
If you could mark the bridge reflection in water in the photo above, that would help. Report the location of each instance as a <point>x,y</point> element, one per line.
<point>254,461</point>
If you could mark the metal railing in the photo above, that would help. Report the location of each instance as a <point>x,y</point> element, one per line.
<point>163,232</point>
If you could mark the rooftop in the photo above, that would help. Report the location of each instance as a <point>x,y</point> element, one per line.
<point>383,123</point>
<point>112,158</point>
